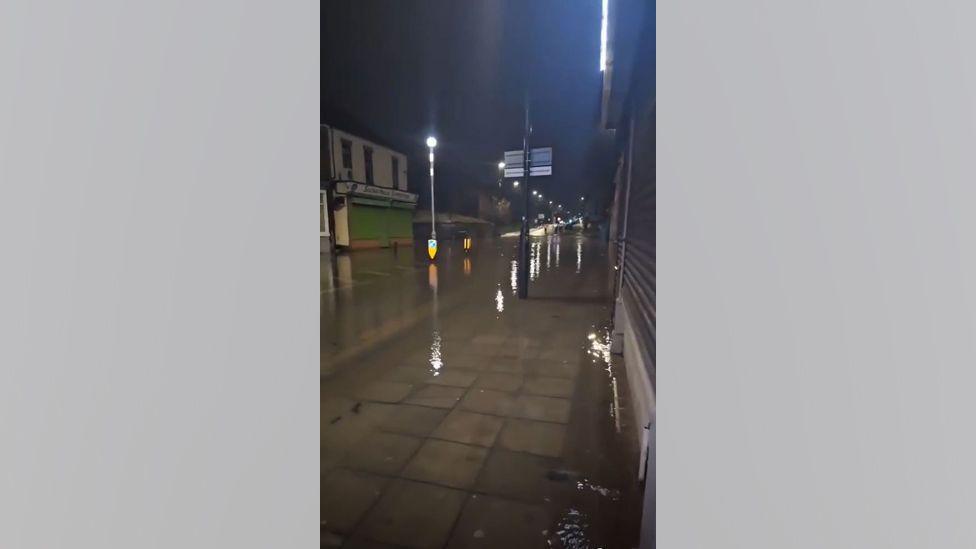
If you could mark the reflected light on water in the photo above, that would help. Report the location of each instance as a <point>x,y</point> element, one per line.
<point>432,275</point>
<point>435,353</point>
<point>579,255</point>
<point>499,300</point>
<point>514,276</point>
<point>467,266</point>
<point>535,261</point>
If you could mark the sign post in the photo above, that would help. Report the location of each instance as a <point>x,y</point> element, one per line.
<point>536,163</point>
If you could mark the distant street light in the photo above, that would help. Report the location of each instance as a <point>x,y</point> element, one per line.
<point>432,243</point>
<point>535,192</point>
<point>501,165</point>
<point>515,184</point>
<point>550,202</point>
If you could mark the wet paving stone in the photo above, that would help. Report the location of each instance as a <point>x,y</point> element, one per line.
<point>447,463</point>
<point>437,396</point>
<point>507,365</point>
<point>346,496</point>
<point>552,369</point>
<point>385,391</point>
<point>413,514</point>
<point>404,419</point>
<point>469,428</point>
<point>549,386</point>
<point>410,374</point>
<point>535,437</point>
<point>518,475</point>
<point>491,523</point>
<point>453,378</point>
<point>511,377</point>
<point>541,408</point>
<point>382,453</point>
<point>499,382</point>
<point>488,402</point>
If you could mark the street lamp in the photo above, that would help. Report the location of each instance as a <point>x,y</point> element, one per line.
<point>432,243</point>
<point>501,165</point>
<point>515,184</point>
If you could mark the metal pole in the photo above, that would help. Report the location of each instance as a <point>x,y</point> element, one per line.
<point>433,227</point>
<point>523,274</point>
<point>630,171</point>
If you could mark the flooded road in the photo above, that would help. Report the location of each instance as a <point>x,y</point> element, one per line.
<point>455,415</point>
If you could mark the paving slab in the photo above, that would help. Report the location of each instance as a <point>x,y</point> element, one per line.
<point>486,401</point>
<point>508,382</point>
<point>413,514</point>
<point>541,408</point>
<point>452,378</point>
<point>437,396</point>
<point>549,386</point>
<point>385,391</point>
<point>346,496</point>
<point>525,477</point>
<point>469,428</point>
<point>406,419</point>
<point>447,463</point>
<point>382,453</point>
<point>535,437</point>
<point>489,522</point>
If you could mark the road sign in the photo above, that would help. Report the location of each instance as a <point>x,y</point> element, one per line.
<point>540,162</point>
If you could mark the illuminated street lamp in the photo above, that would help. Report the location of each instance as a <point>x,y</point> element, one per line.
<point>515,184</point>
<point>432,243</point>
<point>501,165</point>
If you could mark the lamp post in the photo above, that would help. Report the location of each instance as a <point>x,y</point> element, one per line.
<point>432,243</point>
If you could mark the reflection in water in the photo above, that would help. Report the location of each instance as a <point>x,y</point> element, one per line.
<point>435,353</point>
<point>534,261</point>
<point>514,276</point>
<point>549,252</point>
<point>585,484</point>
<point>600,351</point>
<point>499,300</point>
<point>432,277</point>
<point>557,250</point>
<point>579,255</point>
<point>435,346</point>
<point>467,265</point>
<point>344,269</point>
<point>571,531</point>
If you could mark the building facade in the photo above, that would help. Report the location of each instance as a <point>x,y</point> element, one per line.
<point>363,198</point>
<point>628,114</point>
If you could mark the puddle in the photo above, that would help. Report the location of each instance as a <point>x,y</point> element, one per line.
<point>571,532</point>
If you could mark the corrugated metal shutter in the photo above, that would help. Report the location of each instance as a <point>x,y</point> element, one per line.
<point>637,251</point>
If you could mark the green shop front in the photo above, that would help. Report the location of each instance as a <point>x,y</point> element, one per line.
<point>367,216</point>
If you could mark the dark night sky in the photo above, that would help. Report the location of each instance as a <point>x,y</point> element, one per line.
<point>459,70</point>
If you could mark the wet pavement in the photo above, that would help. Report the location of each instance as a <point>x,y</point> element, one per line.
<point>455,415</point>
